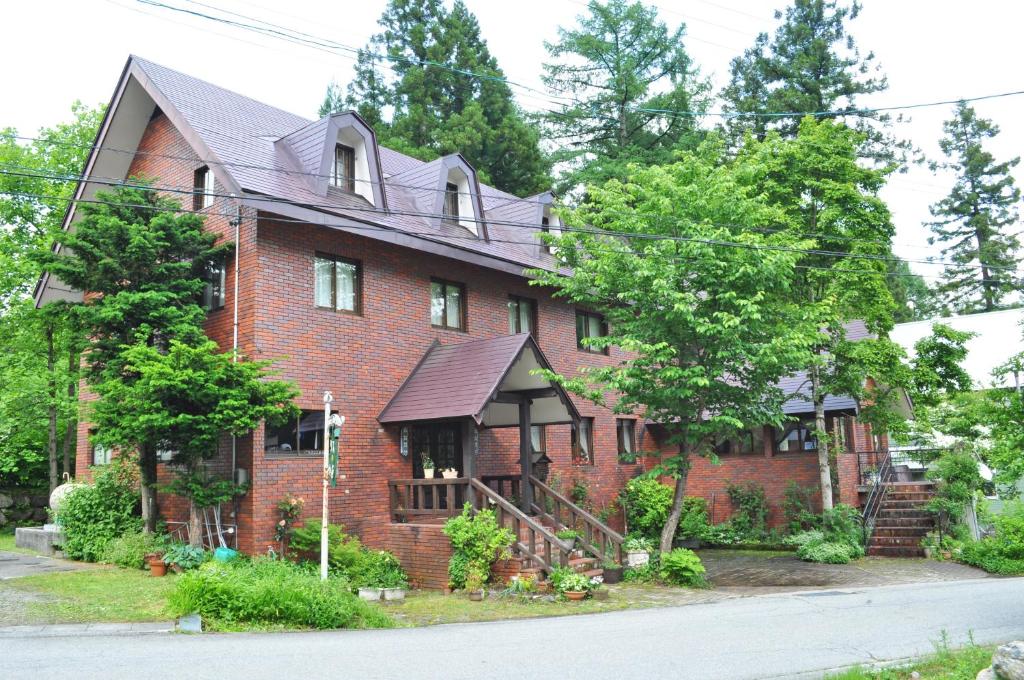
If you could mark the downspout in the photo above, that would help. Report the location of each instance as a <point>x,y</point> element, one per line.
<point>234,326</point>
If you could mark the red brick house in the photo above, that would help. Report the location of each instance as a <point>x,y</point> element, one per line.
<point>398,285</point>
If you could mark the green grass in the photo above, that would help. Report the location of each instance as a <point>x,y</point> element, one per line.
<point>945,664</point>
<point>7,542</point>
<point>101,594</point>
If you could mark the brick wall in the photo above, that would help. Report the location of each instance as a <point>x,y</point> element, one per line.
<point>423,551</point>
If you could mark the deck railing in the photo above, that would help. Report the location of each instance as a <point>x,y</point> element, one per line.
<point>597,538</point>
<point>413,499</point>
<point>533,541</point>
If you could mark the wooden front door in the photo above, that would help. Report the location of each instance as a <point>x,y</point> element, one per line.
<point>442,442</point>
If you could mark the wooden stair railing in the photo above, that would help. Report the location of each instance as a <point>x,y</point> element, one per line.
<point>541,547</point>
<point>597,538</point>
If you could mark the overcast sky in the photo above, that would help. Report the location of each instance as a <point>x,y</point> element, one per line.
<point>931,50</point>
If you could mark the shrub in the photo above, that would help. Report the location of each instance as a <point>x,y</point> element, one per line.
<point>185,556</point>
<point>635,543</point>
<point>842,524</point>
<point>1003,552</point>
<point>682,567</point>
<point>957,476</point>
<point>751,509</point>
<point>378,569</point>
<point>130,550</point>
<point>827,552</point>
<point>646,503</point>
<point>805,537</point>
<point>797,508</point>
<point>94,515</point>
<point>477,541</point>
<point>722,534</point>
<point>693,523</point>
<point>269,591</point>
<point>344,552</point>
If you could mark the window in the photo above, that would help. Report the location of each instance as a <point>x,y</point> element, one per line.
<point>538,439</point>
<point>304,434</point>
<point>838,429</point>
<point>451,202</point>
<point>202,189</point>
<point>338,283</point>
<point>583,442</point>
<point>747,442</point>
<point>625,433</point>
<point>798,436</point>
<point>522,315</point>
<point>100,453</point>
<point>343,173</point>
<point>448,305</point>
<point>590,325</point>
<point>214,290</point>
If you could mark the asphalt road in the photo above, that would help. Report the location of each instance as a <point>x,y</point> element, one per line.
<point>776,636</point>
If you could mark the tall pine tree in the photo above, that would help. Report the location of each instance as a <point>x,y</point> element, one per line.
<point>974,222</point>
<point>430,86</point>
<point>626,73</point>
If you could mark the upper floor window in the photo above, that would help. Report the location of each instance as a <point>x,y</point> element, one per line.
<point>582,434</point>
<point>100,453</point>
<point>202,189</point>
<point>214,290</point>
<point>447,305</point>
<point>338,283</point>
<point>590,325</point>
<point>797,436</point>
<point>522,315</point>
<point>625,432</point>
<point>451,202</point>
<point>343,173</point>
<point>302,434</point>
<point>747,442</point>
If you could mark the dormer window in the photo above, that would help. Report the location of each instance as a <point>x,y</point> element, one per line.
<point>550,224</point>
<point>451,202</point>
<point>343,173</point>
<point>202,189</point>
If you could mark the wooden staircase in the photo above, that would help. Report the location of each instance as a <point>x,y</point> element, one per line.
<point>901,520</point>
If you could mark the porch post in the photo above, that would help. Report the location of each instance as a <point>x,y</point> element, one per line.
<point>525,456</point>
<point>468,459</point>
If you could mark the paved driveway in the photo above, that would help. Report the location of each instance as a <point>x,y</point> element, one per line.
<point>16,565</point>
<point>765,572</point>
<point>792,635</point>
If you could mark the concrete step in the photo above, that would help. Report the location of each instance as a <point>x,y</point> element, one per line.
<point>895,541</point>
<point>900,531</point>
<point>582,563</point>
<point>896,504</point>
<point>895,551</point>
<point>903,521</point>
<point>919,496</point>
<point>904,513</point>
<point>911,486</point>
<point>591,573</point>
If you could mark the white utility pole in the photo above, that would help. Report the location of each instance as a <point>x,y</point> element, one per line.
<point>324,519</point>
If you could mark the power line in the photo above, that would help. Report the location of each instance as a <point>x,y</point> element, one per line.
<point>372,227</point>
<point>280,32</point>
<point>527,225</point>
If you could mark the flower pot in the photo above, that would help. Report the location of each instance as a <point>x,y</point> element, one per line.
<point>157,568</point>
<point>393,594</point>
<point>613,575</point>
<point>450,474</point>
<point>928,553</point>
<point>600,595</point>
<point>476,596</point>
<point>428,473</point>
<point>575,595</point>
<point>370,594</point>
<point>947,554</point>
<point>637,559</point>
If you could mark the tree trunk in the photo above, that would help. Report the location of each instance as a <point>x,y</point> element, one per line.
<point>69,429</point>
<point>824,468</point>
<point>52,408</point>
<point>672,523</point>
<point>195,525</point>
<point>147,466</point>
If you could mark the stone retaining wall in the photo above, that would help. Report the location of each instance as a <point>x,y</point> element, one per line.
<point>20,507</point>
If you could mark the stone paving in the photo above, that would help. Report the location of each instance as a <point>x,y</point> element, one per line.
<point>751,572</point>
<point>16,565</point>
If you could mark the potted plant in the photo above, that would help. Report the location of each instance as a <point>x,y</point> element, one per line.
<point>450,473</point>
<point>370,593</point>
<point>182,557</point>
<point>575,586</point>
<point>428,467</point>
<point>597,591</point>
<point>475,585</point>
<point>156,563</point>
<point>568,535</point>
<point>638,551</point>
<point>612,572</point>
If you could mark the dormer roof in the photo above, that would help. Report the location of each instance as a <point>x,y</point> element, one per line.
<point>274,161</point>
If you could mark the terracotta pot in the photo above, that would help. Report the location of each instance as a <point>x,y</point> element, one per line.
<point>157,568</point>
<point>575,595</point>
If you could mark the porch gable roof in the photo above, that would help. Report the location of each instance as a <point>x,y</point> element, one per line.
<point>473,379</point>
